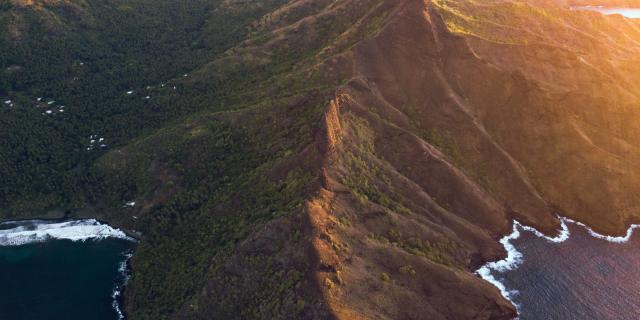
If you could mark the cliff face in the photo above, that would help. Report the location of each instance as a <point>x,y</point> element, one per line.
<point>356,158</point>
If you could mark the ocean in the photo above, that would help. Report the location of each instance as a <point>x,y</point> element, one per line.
<point>63,270</point>
<point>578,275</point>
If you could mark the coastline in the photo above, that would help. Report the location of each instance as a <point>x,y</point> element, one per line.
<point>66,218</point>
<point>85,229</point>
<point>514,258</point>
<point>118,292</point>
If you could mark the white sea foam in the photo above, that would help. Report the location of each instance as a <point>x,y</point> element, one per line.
<point>117,291</point>
<point>24,232</point>
<point>515,258</point>
<point>510,262</point>
<point>594,234</point>
<point>562,236</point>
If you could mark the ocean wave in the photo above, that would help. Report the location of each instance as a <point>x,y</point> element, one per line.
<point>24,232</point>
<point>594,234</point>
<point>515,258</point>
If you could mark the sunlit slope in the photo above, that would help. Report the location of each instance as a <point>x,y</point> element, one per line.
<point>574,124</point>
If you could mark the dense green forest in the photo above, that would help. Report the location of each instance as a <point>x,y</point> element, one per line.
<point>79,60</point>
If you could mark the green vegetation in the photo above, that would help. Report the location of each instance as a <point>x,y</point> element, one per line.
<point>361,181</point>
<point>225,192</point>
<point>196,232</point>
<point>86,65</point>
<point>363,174</point>
<point>445,143</point>
<point>409,270</point>
<point>442,251</point>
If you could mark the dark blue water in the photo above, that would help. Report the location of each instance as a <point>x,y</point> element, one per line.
<point>61,279</point>
<point>581,278</point>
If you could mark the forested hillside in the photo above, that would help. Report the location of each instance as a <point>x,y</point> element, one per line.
<point>66,69</point>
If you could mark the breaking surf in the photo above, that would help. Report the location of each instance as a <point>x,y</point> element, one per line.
<point>579,273</point>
